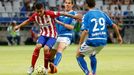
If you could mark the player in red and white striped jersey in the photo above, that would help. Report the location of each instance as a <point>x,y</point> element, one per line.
<point>48,34</point>
<point>46,22</point>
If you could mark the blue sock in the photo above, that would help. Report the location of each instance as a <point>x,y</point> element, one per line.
<point>82,63</point>
<point>93,63</point>
<point>58,58</point>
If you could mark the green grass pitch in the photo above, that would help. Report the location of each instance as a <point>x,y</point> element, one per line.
<point>112,60</point>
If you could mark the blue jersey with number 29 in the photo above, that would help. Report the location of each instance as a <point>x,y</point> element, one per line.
<point>95,22</point>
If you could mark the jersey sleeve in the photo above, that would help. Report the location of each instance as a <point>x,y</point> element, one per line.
<point>73,20</point>
<point>53,14</point>
<point>108,20</point>
<point>31,18</point>
<point>85,25</point>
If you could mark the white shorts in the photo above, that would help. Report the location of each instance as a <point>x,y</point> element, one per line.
<point>89,50</point>
<point>62,39</point>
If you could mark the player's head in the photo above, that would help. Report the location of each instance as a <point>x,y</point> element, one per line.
<point>13,23</point>
<point>68,5</point>
<point>39,8</point>
<point>90,3</point>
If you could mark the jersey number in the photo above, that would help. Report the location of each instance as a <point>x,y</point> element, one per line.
<point>98,22</point>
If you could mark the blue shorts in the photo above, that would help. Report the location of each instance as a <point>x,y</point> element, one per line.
<point>49,41</point>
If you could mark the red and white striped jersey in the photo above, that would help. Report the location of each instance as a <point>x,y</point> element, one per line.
<point>46,23</point>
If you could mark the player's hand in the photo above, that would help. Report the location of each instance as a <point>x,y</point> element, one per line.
<point>78,17</point>
<point>16,28</point>
<point>120,41</point>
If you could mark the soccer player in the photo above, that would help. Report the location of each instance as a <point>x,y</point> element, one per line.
<point>94,28</point>
<point>65,28</point>
<point>48,34</point>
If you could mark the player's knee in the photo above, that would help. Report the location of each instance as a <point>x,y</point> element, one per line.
<point>39,46</point>
<point>46,48</point>
<point>79,55</point>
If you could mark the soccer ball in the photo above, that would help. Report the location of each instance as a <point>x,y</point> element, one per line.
<point>40,70</point>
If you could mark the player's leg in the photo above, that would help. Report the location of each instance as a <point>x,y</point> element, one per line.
<point>93,60</point>
<point>52,54</point>
<point>58,56</point>
<point>60,49</point>
<point>93,64</point>
<point>82,63</point>
<point>46,56</point>
<point>81,52</point>
<point>49,44</point>
<point>61,44</point>
<point>35,54</point>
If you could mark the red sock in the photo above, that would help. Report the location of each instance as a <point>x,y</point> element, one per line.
<point>35,56</point>
<point>46,59</point>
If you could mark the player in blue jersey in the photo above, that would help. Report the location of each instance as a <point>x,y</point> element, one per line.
<point>94,26</point>
<point>65,26</point>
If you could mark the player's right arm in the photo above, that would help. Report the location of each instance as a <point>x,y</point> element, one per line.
<point>68,26</point>
<point>83,36</point>
<point>57,14</point>
<point>78,17</point>
<point>84,28</point>
<point>26,22</point>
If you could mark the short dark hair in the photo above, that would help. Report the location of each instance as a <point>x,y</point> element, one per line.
<point>72,1</point>
<point>39,6</point>
<point>91,3</point>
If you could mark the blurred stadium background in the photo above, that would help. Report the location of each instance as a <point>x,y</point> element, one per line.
<point>121,12</point>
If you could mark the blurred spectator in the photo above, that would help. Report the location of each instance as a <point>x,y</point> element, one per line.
<point>60,4</point>
<point>117,14</point>
<point>52,5</point>
<point>26,8</point>
<point>108,11</point>
<point>127,2</point>
<point>80,4</point>
<point>13,37</point>
<point>117,2</point>
<point>34,32</point>
<point>128,12</point>
<point>128,16</point>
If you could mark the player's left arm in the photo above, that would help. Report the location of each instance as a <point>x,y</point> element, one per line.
<point>68,26</point>
<point>119,38</point>
<point>109,22</point>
